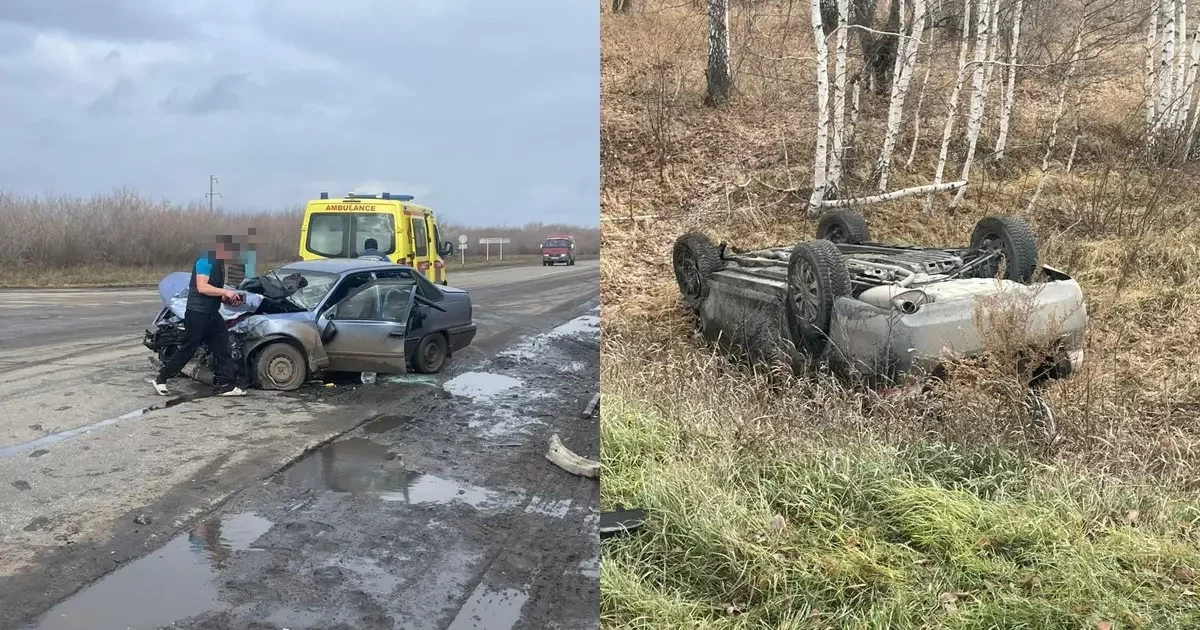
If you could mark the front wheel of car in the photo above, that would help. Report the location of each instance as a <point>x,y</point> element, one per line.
<point>695,259</point>
<point>280,366</point>
<point>431,354</point>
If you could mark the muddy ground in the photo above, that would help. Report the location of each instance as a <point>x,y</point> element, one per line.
<point>442,512</point>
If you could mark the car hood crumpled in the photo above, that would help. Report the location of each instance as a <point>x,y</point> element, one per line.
<point>173,291</point>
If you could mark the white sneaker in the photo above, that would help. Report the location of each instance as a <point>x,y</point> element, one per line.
<point>236,391</point>
<point>161,388</point>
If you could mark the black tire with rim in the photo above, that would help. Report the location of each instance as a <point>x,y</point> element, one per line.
<point>817,276</point>
<point>280,366</point>
<point>431,353</point>
<point>1015,241</point>
<point>695,259</point>
<point>843,226</point>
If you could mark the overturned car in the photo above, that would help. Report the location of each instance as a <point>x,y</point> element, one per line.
<point>890,314</point>
<point>343,315</point>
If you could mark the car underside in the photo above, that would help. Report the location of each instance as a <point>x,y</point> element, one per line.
<point>882,312</point>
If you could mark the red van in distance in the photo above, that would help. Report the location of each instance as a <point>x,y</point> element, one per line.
<point>558,248</point>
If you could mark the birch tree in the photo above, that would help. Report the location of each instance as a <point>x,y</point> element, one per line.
<point>1010,85</point>
<point>912,151</point>
<point>1185,107</point>
<point>839,96</point>
<point>978,93</point>
<point>952,106</point>
<point>1151,79</point>
<point>819,161</point>
<point>905,63</point>
<point>1166,67</point>
<point>720,73</point>
<point>1179,69</point>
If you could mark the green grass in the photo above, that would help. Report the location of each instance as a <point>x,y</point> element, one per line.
<point>877,536</point>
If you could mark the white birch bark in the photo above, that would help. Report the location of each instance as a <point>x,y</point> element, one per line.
<point>928,189</point>
<point>1058,114</point>
<point>1184,109</point>
<point>1179,70</point>
<point>855,100</point>
<point>1152,52</point>
<point>907,55</point>
<point>1166,83</point>
<point>952,107</point>
<point>839,96</point>
<point>978,94</point>
<point>1010,87</point>
<point>720,73</point>
<point>822,149</point>
<point>1078,129</point>
<point>912,151</point>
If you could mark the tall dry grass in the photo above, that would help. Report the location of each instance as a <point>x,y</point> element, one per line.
<point>126,229</point>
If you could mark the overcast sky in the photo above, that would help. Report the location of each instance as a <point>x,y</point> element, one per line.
<point>488,111</point>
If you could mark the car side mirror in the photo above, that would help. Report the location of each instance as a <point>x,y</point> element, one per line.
<point>446,249</point>
<point>328,332</point>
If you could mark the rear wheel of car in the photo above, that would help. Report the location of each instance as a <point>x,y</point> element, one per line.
<point>843,226</point>
<point>431,354</point>
<point>280,366</point>
<point>1014,241</point>
<point>695,259</point>
<point>817,276</point>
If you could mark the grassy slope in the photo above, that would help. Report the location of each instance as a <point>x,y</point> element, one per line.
<point>945,512</point>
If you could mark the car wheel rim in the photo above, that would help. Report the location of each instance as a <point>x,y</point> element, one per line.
<point>993,243</point>
<point>432,355</point>
<point>806,291</point>
<point>690,270</point>
<point>281,370</point>
<point>836,234</point>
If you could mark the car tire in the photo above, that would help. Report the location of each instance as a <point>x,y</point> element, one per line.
<point>816,277</point>
<point>280,366</point>
<point>843,226</point>
<point>431,354</point>
<point>1016,242</point>
<point>695,259</point>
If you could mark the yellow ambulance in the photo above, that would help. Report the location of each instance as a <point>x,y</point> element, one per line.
<point>403,232</point>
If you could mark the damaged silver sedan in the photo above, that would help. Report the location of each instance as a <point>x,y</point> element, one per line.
<point>890,314</point>
<point>342,315</point>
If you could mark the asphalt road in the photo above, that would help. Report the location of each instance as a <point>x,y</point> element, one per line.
<point>72,359</point>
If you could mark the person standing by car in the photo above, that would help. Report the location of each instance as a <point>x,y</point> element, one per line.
<point>202,322</point>
<point>371,251</point>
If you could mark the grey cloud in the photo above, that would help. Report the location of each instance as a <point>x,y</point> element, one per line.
<point>105,19</point>
<point>490,111</point>
<point>226,93</point>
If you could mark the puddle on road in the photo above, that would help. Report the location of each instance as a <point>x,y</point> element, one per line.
<point>577,326</point>
<point>480,386</point>
<point>383,424</point>
<point>172,583</point>
<point>490,609</point>
<point>357,465</point>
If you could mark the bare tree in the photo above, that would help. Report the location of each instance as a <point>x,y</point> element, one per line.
<point>912,151</point>
<point>720,73</point>
<point>1058,113</point>
<point>822,148</point>
<point>952,107</point>
<point>1152,53</point>
<point>839,96</point>
<point>905,63</point>
<point>622,6</point>
<point>978,93</point>
<point>1166,83</point>
<point>1010,86</point>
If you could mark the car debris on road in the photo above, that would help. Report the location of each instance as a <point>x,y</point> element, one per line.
<point>566,459</point>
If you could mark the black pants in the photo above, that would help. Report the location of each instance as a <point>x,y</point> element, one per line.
<point>208,329</point>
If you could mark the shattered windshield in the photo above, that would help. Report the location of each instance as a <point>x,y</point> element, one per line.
<point>317,286</point>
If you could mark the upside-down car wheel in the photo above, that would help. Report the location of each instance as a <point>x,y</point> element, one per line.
<point>695,259</point>
<point>843,226</point>
<point>1015,243</point>
<point>817,276</point>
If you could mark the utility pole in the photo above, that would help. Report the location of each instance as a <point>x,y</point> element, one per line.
<point>212,194</point>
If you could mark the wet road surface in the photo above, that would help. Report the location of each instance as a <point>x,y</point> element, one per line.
<point>78,508</point>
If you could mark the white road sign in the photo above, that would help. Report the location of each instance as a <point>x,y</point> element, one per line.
<point>462,239</point>
<point>494,240</point>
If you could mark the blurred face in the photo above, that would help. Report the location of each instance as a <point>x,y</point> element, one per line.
<point>225,250</point>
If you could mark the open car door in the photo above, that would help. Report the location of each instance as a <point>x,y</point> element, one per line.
<point>366,331</point>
